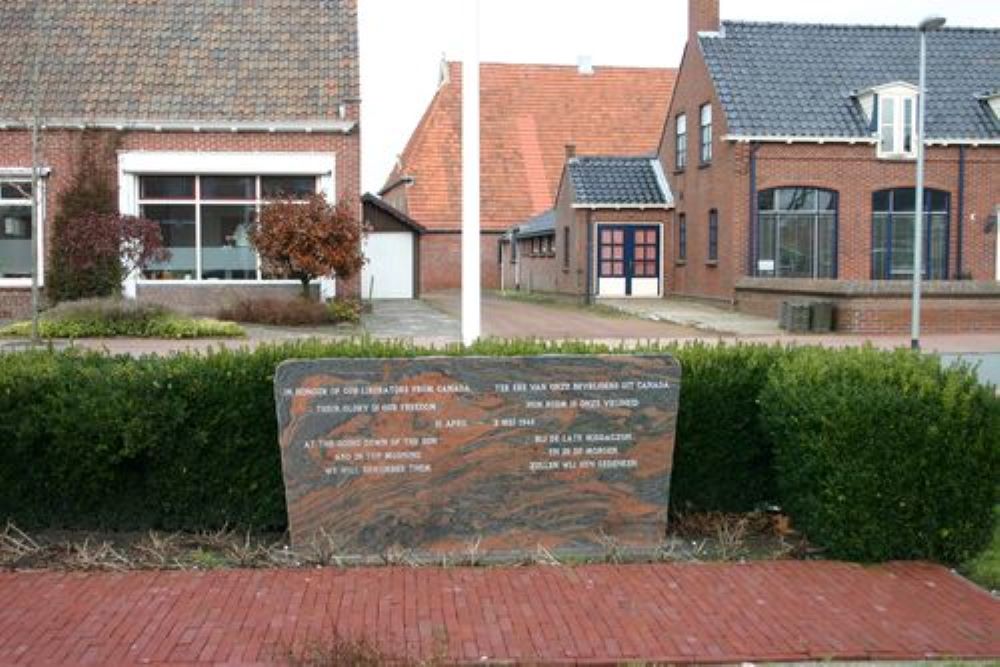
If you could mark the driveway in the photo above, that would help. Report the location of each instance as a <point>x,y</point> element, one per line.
<point>556,319</point>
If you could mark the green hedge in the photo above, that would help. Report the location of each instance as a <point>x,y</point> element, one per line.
<point>884,455</point>
<point>190,441</point>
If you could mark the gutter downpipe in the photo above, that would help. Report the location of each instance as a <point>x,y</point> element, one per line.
<point>590,258</point>
<point>751,269</point>
<point>960,232</point>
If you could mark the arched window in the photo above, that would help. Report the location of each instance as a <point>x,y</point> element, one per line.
<point>892,234</point>
<point>796,233</point>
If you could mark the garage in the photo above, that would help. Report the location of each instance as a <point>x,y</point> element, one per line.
<point>392,252</point>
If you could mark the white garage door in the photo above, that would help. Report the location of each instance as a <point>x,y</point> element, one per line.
<point>388,273</point>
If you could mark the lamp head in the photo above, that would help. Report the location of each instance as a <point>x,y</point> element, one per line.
<point>931,23</point>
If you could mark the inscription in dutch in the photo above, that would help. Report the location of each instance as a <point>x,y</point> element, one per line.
<point>431,455</point>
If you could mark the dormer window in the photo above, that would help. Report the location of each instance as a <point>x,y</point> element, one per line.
<point>897,126</point>
<point>891,113</point>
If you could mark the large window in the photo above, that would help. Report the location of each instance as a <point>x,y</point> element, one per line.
<point>706,133</point>
<point>892,234</point>
<point>896,123</point>
<point>206,220</point>
<point>15,229</point>
<point>796,233</point>
<point>681,143</point>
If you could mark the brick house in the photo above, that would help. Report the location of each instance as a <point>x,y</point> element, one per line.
<point>604,237</point>
<point>209,107</point>
<point>529,114</point>
<point>790,153</point>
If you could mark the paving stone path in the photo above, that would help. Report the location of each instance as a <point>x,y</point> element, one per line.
<point>543,614</point>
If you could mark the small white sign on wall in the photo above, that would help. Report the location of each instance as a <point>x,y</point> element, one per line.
<point>765,265</point>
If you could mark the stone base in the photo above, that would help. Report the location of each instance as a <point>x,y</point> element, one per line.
<point>15,304</point>
<point>881,306</point>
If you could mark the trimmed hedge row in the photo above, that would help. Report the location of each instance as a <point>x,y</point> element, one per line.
<point>190,441</point>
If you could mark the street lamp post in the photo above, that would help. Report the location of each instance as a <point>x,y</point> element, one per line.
<point>925,26</point>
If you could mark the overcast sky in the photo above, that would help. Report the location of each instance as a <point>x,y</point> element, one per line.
<point>402,42</point>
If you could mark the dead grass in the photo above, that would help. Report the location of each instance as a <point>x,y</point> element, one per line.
<point>693,538</point>
<point>361,652</point>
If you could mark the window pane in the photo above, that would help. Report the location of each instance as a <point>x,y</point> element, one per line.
<point>287,187</point>
<point>681,124</point>
<point>908,124</point>
<point>888,126</point>
<point>177,228</point>
<point>15,190</point>
<point>797,199</point>
<point>881,200</point>
<point>901,237</point>
<point>880,246</point>
<point>15,241</point>
<point>166,187</point>
<point>706,114</point>
<point>826,261</point>
<point>937,263</point>
<point>225,245</point>
<point>227,187</point>
<point>936,200</point>
<point>825,201</point>
<point>765,243</point>
<point>765,200</point>
<point>904,199</point>
<point>795,246</point>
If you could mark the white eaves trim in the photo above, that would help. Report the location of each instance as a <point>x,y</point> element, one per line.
<point>661,179</point>
<point>783,139</point>
<point>184,162</point>
<point>317,126</point>
<point>22,172</point>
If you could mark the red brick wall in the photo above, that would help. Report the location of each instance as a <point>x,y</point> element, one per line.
<point>852,170</point>
<point>60,149</point>
<point>891,315</point>
<point>441,260</point>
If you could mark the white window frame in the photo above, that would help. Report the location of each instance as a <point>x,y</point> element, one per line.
<point>705,124</point>
<point>898,126</point>
<point>134,164</point>
<point>680,131</point>
<point>19,175</point>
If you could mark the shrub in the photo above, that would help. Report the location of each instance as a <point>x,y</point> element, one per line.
<point>104,318</point>
<point>276,311</point>
<point>881,456</point>
<point>308,240</point>
<point>344,310</point>
<point>92,254</point>
<point>722,460</point>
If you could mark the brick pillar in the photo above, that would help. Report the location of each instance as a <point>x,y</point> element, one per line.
<point>703,16</point>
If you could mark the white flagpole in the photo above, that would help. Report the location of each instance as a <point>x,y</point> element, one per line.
<point>470,179</point>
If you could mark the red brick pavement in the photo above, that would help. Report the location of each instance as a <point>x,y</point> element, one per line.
<point>671,612</point>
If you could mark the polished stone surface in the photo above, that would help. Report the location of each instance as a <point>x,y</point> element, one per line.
<point>491,457</point>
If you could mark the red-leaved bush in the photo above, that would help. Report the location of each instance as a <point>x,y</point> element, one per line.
<point>92,254</point>
<point>308,240</point>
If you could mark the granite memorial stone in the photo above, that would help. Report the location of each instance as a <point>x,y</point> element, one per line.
<point>440,456</point>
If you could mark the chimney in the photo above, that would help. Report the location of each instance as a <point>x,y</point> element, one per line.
<point>570,151</point>
<point>703,16</point>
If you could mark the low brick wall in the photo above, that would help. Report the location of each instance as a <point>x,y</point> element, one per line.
<point>873,307</point>
<point>15,304</point>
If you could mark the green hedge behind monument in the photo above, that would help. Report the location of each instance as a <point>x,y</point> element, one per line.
<point>189,442</point>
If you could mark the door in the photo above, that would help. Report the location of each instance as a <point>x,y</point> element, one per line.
<point>388,271</point>
<point>628,260</point>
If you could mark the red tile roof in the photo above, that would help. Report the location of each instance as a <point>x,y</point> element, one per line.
<point>529,113</point>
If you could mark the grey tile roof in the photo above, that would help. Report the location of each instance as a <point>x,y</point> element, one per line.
<point>542,224</point>
<point>797,80</point>
<point>617,181</point>
<point>232,60</point>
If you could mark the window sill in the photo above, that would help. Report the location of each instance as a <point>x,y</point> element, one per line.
<point>680,262</point>
<point>897,157</point>
<point>711,262</point>
<point>680,171</point>
<point>704,165</point>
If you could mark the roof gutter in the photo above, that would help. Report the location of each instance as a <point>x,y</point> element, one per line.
<point>306,127</point>
<point>403,180</point>
<point>619,206</point>
<point>790,139</point>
